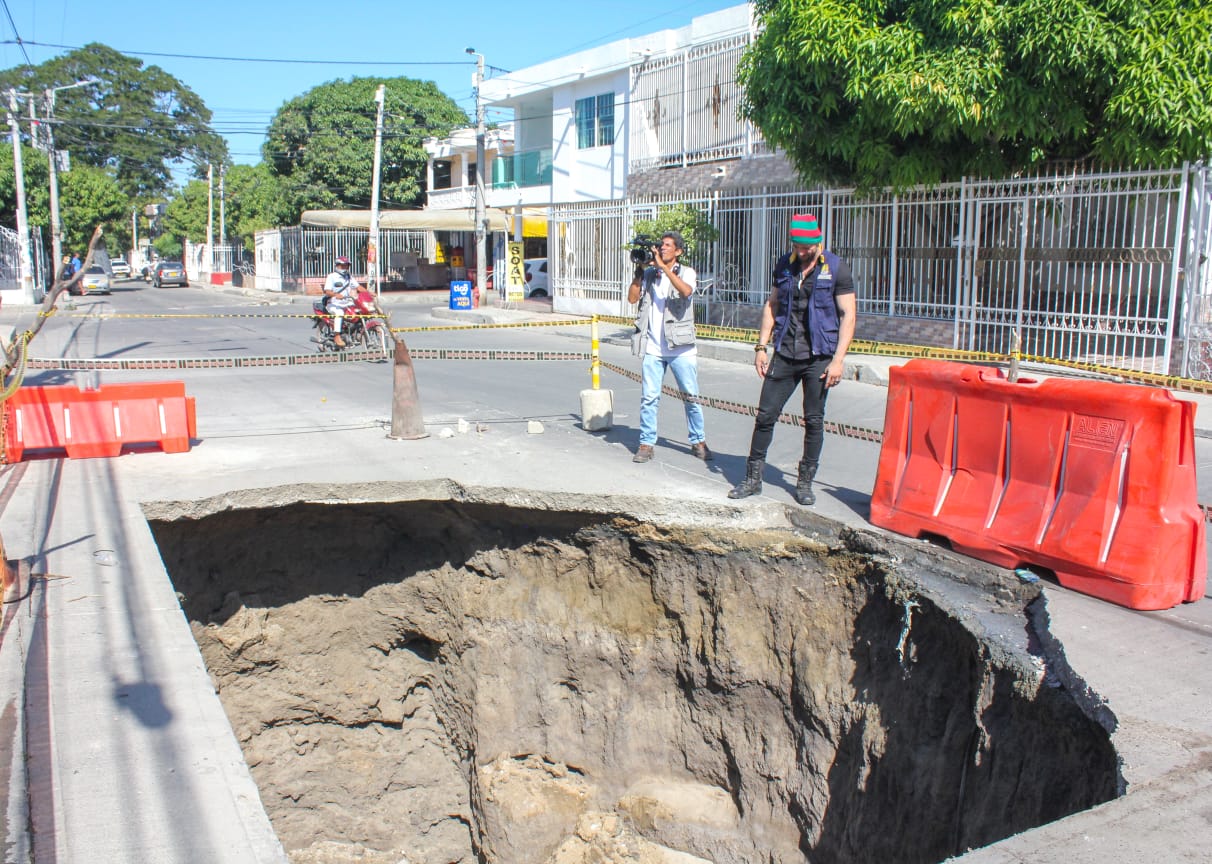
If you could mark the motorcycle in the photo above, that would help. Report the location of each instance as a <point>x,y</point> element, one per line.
<point>362,327</point>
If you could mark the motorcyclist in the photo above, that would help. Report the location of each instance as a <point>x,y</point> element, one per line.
<point>340,289</point>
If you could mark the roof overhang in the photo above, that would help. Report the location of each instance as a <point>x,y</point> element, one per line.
<point>534,220</point>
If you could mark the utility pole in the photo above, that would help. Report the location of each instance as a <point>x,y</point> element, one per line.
<point>210,214</point>
<point>223,220</point>
<point>372,249</point>
<point>26,269</point>
<point>481,219</point>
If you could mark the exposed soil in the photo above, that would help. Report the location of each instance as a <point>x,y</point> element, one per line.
<point>456,682</point>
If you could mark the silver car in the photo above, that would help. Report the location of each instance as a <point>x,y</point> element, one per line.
<point>94,281</point>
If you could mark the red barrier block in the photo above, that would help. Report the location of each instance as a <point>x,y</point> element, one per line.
<point>1093,480</point>
<point>92,423</point>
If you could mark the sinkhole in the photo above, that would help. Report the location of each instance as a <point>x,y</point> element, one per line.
<point>434,681</point>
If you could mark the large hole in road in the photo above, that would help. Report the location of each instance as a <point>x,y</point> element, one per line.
<point>445,681</point>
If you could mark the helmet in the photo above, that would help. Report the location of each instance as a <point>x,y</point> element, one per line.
<point>342,262</point>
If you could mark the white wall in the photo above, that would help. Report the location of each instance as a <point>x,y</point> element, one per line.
<point>593,173</point>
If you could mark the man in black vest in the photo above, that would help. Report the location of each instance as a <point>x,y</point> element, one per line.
<point>810,315</point>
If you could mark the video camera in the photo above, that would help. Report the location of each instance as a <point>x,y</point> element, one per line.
<point>641,249</point>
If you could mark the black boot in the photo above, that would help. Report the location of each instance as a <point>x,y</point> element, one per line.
<point>752,484</point>
<point>803,484</point>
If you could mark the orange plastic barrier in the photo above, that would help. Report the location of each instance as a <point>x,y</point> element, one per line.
<point>90,423</point>
<point>1093,480</point>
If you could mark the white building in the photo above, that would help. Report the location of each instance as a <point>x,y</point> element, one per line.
<point>643,115</point>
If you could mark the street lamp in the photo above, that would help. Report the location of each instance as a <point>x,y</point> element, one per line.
<point>56,229</point>
<point>481,221</point>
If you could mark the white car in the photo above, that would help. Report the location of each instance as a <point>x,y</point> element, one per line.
<point>119,268</point>
<point>536,278</point>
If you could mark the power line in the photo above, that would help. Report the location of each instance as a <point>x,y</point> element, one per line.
<point>17,36</point>
<point>299,61</point>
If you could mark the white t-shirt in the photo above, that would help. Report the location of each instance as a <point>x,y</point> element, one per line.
<point>343,286</point>
<point>662,290</point>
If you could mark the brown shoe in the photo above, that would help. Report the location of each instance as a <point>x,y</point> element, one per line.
<point>700,451</point>
<point>643,453</point>
<point>340,343</point>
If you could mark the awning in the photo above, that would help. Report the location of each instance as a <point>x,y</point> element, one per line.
<point>534,220</point>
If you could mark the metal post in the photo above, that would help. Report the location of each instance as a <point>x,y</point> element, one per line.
<point>26,271</point>
<point>481,219</point>
<point>372,252</point>
<point>597,362</point>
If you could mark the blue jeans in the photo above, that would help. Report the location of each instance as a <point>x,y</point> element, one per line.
<point>686,374</point>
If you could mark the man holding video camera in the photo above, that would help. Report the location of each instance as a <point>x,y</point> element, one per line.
<point>664,337</point>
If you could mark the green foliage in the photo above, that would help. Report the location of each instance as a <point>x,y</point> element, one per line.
<point>254,199</point>
<point>136,121</point>
<point>323,141</point>
<point>88,197</point>
<point>687,220</point>
<point>185,217</point>
<point>902,92</point>
<point>169,247</point>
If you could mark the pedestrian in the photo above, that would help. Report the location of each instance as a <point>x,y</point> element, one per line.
<point>66,271</point>
<point>810,316</point>
<point>664,339</point>
<point>77,259</point>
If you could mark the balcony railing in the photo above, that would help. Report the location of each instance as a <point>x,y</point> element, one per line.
<point>515,170</point>
<point>447,199</point>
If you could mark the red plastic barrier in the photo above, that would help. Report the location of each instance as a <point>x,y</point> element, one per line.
<point>90,423</point>
<point>1093,480</point>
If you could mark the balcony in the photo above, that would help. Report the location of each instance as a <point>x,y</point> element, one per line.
<point>518,170</point>
<point>451,199</point>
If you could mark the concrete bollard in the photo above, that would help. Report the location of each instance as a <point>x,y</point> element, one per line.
<point>597,409</point>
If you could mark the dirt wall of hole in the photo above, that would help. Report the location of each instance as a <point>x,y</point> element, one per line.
<point>443,682</point>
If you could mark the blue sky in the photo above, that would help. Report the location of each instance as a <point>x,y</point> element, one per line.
<point>340,39</point>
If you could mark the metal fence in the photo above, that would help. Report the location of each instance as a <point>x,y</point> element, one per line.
<point>689,96</point>
<point>1104,268</point>
<point>296,258</point>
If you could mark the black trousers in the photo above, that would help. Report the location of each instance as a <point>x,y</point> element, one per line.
<point>782,377</point>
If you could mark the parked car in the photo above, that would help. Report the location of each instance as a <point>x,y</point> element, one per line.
<point>94,281</point>
<point>536,278</point>
<point>169,273</point>
<point>119,268</point>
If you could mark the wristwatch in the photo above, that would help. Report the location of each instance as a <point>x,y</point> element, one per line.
<point>761,346</point>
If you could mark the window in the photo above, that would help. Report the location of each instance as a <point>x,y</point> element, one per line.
<point>441,174</point>
<point>595,121</point>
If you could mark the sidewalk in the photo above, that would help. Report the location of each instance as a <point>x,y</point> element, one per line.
<point>864,368</point>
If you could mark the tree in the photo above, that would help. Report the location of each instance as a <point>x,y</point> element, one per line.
<point>903,92</point>
<point>323,141</point>
<point>687,220</point>
<point>88,197</point>
<point>254,198</point>
<point>136,121</point>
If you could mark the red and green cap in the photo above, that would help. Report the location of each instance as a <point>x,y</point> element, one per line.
<point>805,229</point>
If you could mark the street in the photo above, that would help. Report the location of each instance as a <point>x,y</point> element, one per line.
<point>115,660</point>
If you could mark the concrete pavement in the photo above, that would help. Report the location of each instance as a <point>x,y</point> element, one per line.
<point>131,757</point>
